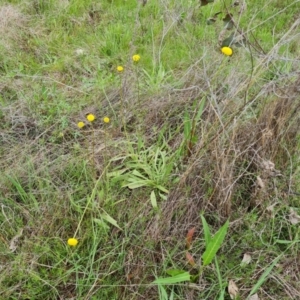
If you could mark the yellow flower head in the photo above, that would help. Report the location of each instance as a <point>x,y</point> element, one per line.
<point>106,120</point>
<point>226,51</point>
<point>80,124</point>
<point>72,242</point>
<point>136,58</point>
<point>90,117</point>
<point>120,69</point>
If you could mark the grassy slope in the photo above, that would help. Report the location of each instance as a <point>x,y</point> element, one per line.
<point>58,62</point>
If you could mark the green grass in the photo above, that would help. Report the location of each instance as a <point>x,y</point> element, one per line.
<point>130,190</point>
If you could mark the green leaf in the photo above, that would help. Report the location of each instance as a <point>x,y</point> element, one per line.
<point>108,219</point>
<point>237,41</point>
<point>228,21</point>
<point>222,295</point>
<point>162,293</point>
<point>200,110</point>
<point>228,41</point>
<point>137,173</point>
<point>101,223</point>
<point>175,279</point>
<point>163,196</point>
<point>175,272</point>
<point>263,277</point>
<point>284,242</point>
<point>194,139</point>
<point>214,244</point>
<point>117,173</point>
<point>211,21</point>
<point>153,199</point>
<point>162,189</point>
<point>137,184</point>
<point>207,235</point>
<point>205,2</point>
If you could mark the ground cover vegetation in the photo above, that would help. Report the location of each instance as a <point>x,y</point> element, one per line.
<point>149,149</point>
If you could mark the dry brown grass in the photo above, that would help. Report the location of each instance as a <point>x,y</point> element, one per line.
<point>234,166</point>
<point>12,22</point>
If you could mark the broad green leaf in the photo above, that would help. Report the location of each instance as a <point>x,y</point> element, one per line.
<point>175,279</point>
<point>102,223</point>
<point>264,276</point>
<point>137,184</point>
<point>207,235</point>
<point>162,189</point>
<point>175,272</point>
<point>214,244</point>
<point>163,196</point>
<point>162,293</point>
<point>153,199</point>
<point>137,173</point>
<point>228,41</point>
<point>108,219</point>
<point>228,21</point>
<point>132,178</point>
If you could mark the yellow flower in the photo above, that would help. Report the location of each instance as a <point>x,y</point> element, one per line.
<point>90,117</point>
<point>136,58</point>
<point>120,69</point>
<point>72,242</point>
<point>226,51</point>
<point>80,124</point>
<point>106,119</point>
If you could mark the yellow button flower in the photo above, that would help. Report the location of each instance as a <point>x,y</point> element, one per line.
<point>120,69</point>
<point>106,120</point>
<point>90,117</point>
<point>72,242</point>
<point>80,124</point>
<point>226,51</point>
<point>136,58</point>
